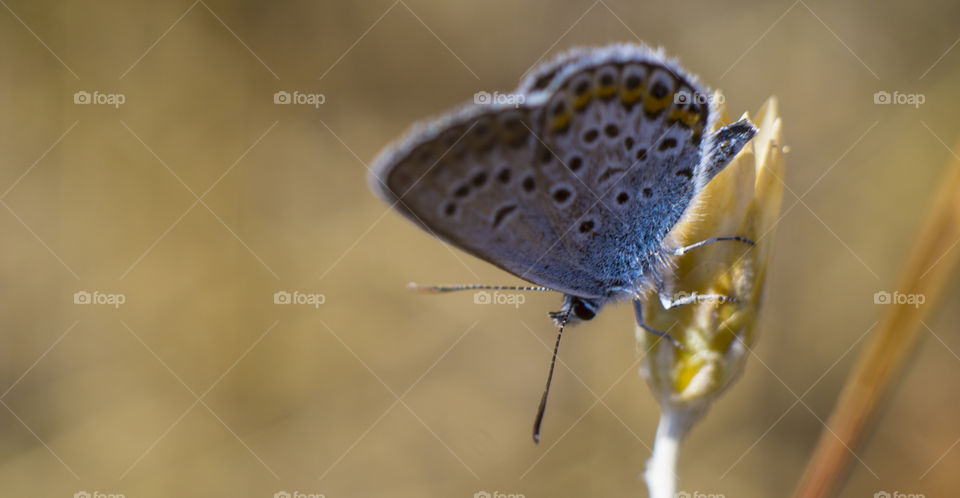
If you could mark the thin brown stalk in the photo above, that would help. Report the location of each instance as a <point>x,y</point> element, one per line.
<point>927,270</point>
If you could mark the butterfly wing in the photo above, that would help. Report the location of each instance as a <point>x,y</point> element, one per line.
<point>625,128</point>
<point>576,188</point>
<point>470,178</point>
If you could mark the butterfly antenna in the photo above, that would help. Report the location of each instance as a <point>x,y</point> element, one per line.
<point>438,289</point>
<point>538,421</point>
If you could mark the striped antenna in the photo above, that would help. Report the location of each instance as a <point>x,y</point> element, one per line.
<point>438,289</point>
<point>542,409</point>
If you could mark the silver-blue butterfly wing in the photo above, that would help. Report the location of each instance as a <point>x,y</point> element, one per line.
<point>576,188</point>
<point>622,134</point>
<point>470,179</point>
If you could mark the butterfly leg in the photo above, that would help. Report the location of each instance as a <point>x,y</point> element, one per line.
<point>685,298</point>
<point>680,251</point>
<point>692,298</point>
<point>638,311</point>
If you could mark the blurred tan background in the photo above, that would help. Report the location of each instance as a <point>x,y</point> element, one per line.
<point>300,398</point>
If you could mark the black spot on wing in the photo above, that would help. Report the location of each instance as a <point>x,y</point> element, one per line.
<point>502,213</point>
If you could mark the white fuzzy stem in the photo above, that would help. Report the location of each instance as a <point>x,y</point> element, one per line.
<point>661,473</point>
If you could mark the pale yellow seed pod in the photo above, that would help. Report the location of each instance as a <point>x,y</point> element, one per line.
<point>744,199</point>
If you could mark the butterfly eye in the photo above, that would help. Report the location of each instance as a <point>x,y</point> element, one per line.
<point>582,311</point>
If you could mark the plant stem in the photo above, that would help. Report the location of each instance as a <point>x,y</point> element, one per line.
<point>661,473</point>
<point>933,259</point>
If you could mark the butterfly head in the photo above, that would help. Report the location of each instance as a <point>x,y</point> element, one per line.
<point>576,309</point>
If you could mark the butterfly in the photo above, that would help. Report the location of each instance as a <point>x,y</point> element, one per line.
<point>572,183</point>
